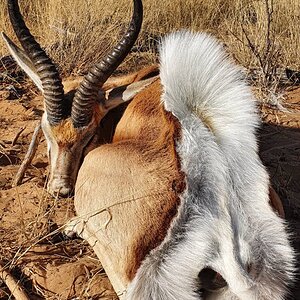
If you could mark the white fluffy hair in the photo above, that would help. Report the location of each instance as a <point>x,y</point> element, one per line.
<point>224,222</point>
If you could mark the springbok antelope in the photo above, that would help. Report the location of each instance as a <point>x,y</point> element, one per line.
<point>71,122</point>
<point>177,205</point>
<point>74,110</point>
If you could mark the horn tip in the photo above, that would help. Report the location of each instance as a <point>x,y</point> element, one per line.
<point>4,36</point>
<point>6,39</point>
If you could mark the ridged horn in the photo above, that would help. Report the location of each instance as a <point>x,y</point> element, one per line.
<point>86,94</point>
<point>46,70</point>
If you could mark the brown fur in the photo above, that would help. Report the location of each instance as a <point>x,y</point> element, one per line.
<point>147,121</point>
<point>130,188</point>
<point>65,133</point>
<point>135,183</point>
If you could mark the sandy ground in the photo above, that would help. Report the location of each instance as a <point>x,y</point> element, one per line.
<point>50,266</point>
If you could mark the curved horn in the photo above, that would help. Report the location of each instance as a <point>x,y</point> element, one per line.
<point>87,92</point>
<point>51,81</point>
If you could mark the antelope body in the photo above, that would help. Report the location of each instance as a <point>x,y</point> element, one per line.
<point>176,205</point>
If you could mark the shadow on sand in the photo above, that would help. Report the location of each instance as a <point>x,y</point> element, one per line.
<point>280,153</point>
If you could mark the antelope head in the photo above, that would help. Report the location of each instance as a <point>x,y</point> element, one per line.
<point>70,119</point>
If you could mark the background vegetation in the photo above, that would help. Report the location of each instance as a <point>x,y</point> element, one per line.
<point>261,35</point>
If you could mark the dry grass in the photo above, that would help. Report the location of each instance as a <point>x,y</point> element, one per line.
<point>75,33</point>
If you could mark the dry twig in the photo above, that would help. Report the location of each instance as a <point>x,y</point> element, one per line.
<point>15,288</point>
<point>29,155</point>
<point>17,136</point>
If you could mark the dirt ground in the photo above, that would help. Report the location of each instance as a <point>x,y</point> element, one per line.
<point>50,266</point>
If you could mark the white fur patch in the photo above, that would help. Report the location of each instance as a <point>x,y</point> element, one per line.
<point>225,222</point>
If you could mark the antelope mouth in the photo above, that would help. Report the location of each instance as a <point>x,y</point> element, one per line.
<point>61,186</point>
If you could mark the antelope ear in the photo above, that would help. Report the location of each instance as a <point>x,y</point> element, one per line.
<point>119,95</point>
<point>23,61</point>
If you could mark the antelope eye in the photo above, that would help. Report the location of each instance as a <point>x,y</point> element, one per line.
<point>210,280</point>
